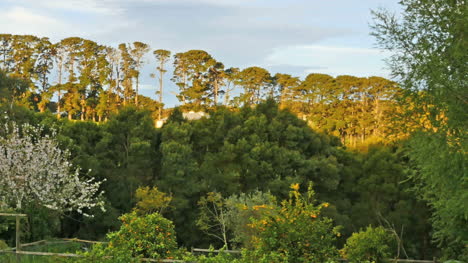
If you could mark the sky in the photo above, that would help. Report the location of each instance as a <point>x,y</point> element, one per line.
<point>296,37</point>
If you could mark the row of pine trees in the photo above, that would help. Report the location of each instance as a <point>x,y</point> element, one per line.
<point>84,80</point>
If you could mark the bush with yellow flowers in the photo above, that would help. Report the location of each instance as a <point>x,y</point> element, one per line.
<point>149,236</point>
<point>145,236</point>
<point>370,245</point>
<point>294,231</point>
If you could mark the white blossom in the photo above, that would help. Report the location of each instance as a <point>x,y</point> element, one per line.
<point>33,169</point>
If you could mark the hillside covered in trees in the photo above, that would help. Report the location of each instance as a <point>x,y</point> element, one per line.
<point>287,169</point>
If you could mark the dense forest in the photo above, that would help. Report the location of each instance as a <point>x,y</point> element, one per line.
<point>379,153</point>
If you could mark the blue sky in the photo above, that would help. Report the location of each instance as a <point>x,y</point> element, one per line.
<point>289,36</point>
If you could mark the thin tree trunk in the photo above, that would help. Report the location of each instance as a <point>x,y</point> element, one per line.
<point>136,90</point>
<point>59,109</point>
<point>216,92</point>
<point>161,89</point>
<point>226,95</point>
<point>83,109</point>
<point>185,83</point>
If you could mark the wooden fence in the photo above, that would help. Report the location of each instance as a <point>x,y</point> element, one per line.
<point>193,250</point>
<point>71,255</point>
<point>201,250</point>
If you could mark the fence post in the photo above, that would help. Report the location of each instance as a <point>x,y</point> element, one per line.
<point>18,245</point>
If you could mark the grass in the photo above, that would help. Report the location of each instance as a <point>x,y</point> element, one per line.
<point>69,247</point>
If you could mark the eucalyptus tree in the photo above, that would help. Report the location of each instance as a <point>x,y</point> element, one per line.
<point>60,56</point>
<point>127,68</point>
<point>110,99</point>
<point>216,76</point>
<point>94,72</point>
<point>349,99</point>
<point>43,68</point>
<point>162,57</point>
<point>231,75</point>
<point>314,97</point>
<point>24,58</point>
<point>12,90</point>
<point>254,80</point>
<point>179,77</point>
<point>6,51</point>
<point>137,52</point>
<point>286,85</point>
<point>383,95</point>
<point>72,48</point>
<point>191,75</point>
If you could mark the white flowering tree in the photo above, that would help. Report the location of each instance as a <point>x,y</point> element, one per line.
<point>33,169</point>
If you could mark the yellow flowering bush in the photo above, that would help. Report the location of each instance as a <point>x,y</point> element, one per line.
<point>151,200</point>
<point>294,232</point>
<point>370,245</point>
<point>148,236</point>
<point>241,209</point>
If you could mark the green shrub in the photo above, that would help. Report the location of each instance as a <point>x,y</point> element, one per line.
<point>372,245</point>
<point>241,209</point>
<point>294,232</point>
<point>214,258</point>
<point>3,244</point>
<point>105,254</point>
<point>148,236</point>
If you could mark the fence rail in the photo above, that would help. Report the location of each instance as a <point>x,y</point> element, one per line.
<point>193,250</point>
<point>70,255</point>
<point>202,250</point>
<point>215,251</point>
<point>413,260</point>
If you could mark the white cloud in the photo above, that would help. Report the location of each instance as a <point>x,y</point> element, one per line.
<point>103,7</point>
<point>114,7</point>
<point>89,6</point>
<point>211,2</point>
<point>56,19</point>
<point>20,14</point>
<point>19,20</point>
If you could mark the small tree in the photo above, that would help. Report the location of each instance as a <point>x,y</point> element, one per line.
<point>33,169</point>
<point>149,236</point>
<point>243,208</point>
<point>151,200</point>
<point>213,219</point>
<point>372,245</point>
<point>294,231</point>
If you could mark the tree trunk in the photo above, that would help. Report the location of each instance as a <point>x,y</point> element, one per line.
<point>161,71</point>
<point>59,90</point>
<point>136,91</point>
<point>83,109</point>
<point>58,104</point>
<point>216,92</point>
<point>226,95</point>
<point>185,84</point>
